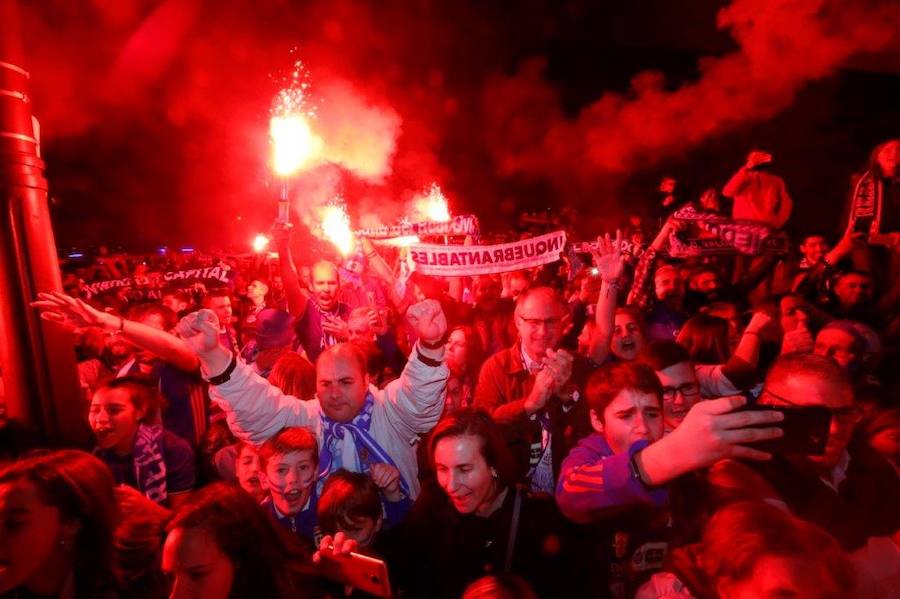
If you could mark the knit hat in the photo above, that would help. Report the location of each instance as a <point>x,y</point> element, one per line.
<point>274,328</point>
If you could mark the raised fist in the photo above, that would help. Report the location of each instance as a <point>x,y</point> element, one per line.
<point>428,320</point>
<point>200,330</point>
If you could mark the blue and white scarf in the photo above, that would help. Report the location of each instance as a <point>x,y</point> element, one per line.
<point>149,463</point>
<point>368,450</point>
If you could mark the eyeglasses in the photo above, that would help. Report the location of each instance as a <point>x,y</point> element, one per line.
<point>685,389</point>
<point>550,323</point>
<point>845,415</point>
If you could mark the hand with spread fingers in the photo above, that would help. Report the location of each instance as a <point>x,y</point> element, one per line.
<point>71,312</point>
<point>608,257</point>
<point>713,430</point>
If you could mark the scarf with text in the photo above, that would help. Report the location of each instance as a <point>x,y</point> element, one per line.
<point>726,236</point>
<point>149,463</point>
<point>368,450</point>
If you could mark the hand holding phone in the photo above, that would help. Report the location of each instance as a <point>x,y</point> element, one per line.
<point>805,430</point>
<point>337,561</point>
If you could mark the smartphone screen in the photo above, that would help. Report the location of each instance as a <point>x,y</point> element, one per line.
<point>359,571</point>
<point>805,430</point>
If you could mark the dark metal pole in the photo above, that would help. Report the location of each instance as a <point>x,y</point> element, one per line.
<point>37,361</point>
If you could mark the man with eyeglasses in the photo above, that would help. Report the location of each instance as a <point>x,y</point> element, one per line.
<point>532,389</point>
<point>848,490</point>
<point>685,383</point>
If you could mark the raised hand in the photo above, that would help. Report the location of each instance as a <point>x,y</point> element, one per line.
<point>72,312</point>
<point>281,232</point>
<point>757,158</point>
<point>377,322</point>
<point>428,320</point>
<point>760,323</point>
<point>200,330</point>
<point>608,258</point>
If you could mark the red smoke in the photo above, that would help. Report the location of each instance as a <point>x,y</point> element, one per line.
<point>165,103</point>
<point>783,45</point>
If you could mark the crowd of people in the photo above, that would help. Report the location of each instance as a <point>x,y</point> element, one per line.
<point>620,423</point>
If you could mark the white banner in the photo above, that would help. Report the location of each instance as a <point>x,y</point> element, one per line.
<point>458,225</point>
<point>471,260</point>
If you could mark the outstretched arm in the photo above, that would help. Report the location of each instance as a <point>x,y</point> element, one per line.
<point>610,264</point>
<point>297,297</point>
<point>255,408</point>
<point>73,313</point>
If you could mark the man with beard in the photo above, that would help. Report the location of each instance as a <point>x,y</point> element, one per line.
<point>848,490</point>
<point>532,389</point>
<point>704,288</point>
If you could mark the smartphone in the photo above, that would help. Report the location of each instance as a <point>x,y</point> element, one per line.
<point>358,571</point>
<point>805,430</point>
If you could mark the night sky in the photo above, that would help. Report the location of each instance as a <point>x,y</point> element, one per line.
<point>154,114</point>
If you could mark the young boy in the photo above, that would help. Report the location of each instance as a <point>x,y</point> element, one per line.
<point>289,463</point>
<point>351,503</point>
<point>617,479</point>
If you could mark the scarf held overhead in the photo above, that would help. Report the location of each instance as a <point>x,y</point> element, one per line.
<point>726,236</point>
<point>472,260</point>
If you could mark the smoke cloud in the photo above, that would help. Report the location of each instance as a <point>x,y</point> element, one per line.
<point>155,112</point>
<point>782,47</point>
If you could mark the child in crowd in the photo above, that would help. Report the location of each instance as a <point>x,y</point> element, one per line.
<point>351,503</point>
<point>289,462</point>
<point>247,470</point>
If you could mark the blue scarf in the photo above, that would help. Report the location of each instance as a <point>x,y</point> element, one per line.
<point>149,463</point>
<point>367,449</point>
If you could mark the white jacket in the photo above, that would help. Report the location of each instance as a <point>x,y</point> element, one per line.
<point>405,409</point>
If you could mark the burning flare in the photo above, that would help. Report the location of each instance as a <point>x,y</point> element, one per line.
<point>294,143</point>
<point>336,228</point>
<point>260,243</point>
<point>433,205</point>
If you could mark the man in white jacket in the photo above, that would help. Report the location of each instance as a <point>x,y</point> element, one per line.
<point>356,425</point>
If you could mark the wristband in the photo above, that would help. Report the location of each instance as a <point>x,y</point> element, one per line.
<point>636,470</point>
<point>428,361</point>
<point>225,376</point>
<point>436,344</point>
